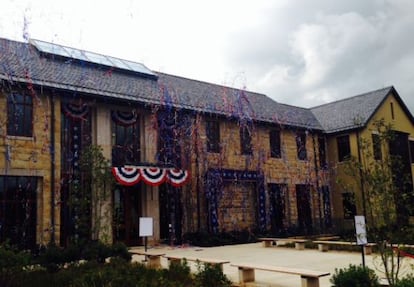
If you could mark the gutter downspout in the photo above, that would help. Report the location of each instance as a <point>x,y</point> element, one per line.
<point>315,161</point>
<point>52,166</point>
<point>361,177</point>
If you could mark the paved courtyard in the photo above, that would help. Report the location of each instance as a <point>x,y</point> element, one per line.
<point>279,256</point>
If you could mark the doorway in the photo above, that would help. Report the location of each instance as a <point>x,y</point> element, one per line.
<point>303,204</point>
<point>126,213</point>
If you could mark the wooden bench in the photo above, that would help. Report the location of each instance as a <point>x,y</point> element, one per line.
<point>153,258</point>
<point>178,259</point>
<point>299,242</point>
<point>323,245</point>
<point>328,237</point>
<point>309,278</point>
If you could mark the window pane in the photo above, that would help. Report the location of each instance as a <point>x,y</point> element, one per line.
<point>245,140</point>
<point>344,148</point>
<point>213,136</point>
<point>348,201</point>
<point>376,145</point>
<point>412,151</point>
<point>301,145</point>
<point>19,115</point>
<point>322,152</point>
<point>275,143</point>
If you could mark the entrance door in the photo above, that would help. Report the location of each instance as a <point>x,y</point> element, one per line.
<point>277,203</point>
<point>170,214</point>
<point>126,213</point>
<point>304,208</point>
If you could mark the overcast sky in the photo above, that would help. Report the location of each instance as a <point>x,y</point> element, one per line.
<point>298,52</point>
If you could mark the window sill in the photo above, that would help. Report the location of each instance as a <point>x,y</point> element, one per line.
<point>22,138</point>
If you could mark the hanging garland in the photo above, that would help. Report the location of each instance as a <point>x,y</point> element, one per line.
<point>153,176</point>
<point>76,112</point>
<point>126,175</point>
<point>124,118</point>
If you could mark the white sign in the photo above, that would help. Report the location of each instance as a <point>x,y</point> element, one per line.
<point>145,226</point>
<point>361,231</point>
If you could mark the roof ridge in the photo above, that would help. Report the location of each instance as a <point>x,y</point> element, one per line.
<point>353,97</point>
<point>210,83</point>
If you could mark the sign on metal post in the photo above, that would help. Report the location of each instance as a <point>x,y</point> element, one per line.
<point>361,234</point>
<point>145,228</point>
<point>361,231</point>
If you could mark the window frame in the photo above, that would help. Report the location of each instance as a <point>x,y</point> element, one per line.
<point>322,152</point>
<point>275,143</point>
<point>20,125</point>
<point>411,147</point>
<point>376,146</point>
<point>131,131</point>
<point>213,136</point>
<point>301,150</point>
<point>349,205</point>
<point>246,147</point>
<point>344,152</point>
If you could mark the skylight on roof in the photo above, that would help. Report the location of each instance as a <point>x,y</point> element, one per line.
<point>67,52</point>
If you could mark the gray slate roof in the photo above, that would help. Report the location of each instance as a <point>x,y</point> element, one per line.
<point>351,113</point>
<point>22,62</point>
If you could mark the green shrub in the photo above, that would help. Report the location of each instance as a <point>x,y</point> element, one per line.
<point>12,265</point>
<point>178,274</point>
<point>355,276</point>
<point>405,282</point>
<point>210,275</point>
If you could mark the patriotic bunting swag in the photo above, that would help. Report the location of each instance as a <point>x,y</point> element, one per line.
<point>153,176</point>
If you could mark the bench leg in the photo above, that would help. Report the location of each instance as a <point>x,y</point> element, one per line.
<point>323,247</point>
<point>367,250</point>
<point>154,262</point>
<point>246,275</point>
<point>267,243</point>
<point>173,261</point>
<point>299,245</point>
<point>310,281</point>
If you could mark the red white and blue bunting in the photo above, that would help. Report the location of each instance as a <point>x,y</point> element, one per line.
<point>154,176</point>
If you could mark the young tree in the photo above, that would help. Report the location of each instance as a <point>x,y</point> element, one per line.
<point>96,172</point>
<point>385,193</point>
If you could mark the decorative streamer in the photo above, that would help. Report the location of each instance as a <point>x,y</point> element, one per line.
<point>124,118</point>
<point>153,176</point>
<point>75,111</point>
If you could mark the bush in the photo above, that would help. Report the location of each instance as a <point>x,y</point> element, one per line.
<point>355,276</point>
<point>178,274</point>
<point>210,275</point>
<point>12,264</point>
<point>405,282</point>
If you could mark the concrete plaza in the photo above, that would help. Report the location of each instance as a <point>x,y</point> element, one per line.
<point>279,256</point>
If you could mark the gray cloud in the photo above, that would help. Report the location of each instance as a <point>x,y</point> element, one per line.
<point>309,52</point>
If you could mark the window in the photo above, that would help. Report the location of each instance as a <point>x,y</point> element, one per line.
<point>392,111</point>
<point>301,145</point>
<point>19,115</point>
<point>274,137</point>
<point>18,210</point>
<point>278,194</point>
<point>412,150</point>
<point>322,152</point>
<point>376,145</point>
<point>246,139</point>
<point>348,202</point>
<point>125,139</point>
<point>344,148</point>
<point>213,136</point>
